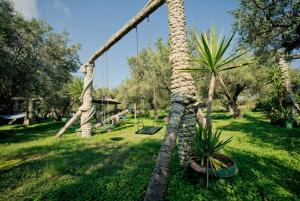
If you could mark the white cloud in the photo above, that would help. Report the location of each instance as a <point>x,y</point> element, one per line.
<point>28,8</point>
<point>58,4</point>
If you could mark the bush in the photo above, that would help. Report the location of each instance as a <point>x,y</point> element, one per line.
<point>280,117</point>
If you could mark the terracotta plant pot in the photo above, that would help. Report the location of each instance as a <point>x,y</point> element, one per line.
<point>229,171</point>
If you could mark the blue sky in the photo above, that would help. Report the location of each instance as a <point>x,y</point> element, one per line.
<point>92,22</point>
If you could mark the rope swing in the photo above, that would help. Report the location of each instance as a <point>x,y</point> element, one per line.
<point>87,110</point>
<point>139,108</point>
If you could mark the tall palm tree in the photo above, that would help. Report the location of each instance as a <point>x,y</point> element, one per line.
<point>287,89</point>
<point>209,52</point>
<point>183,98</point>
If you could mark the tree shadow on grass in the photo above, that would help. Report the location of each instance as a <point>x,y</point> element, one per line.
<point>221,116</point>
<point>270,177</point>
<point>259,178</point>
<point>33,132</point>
<point>121,127</point>
<point>116,139</point>
<point>261,132</point>
<point>91,172</point>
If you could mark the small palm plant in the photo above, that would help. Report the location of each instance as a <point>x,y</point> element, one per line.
<point>209,52</point>
<point>276,112</point>
<point>207,147</point>
<point>75,88</point>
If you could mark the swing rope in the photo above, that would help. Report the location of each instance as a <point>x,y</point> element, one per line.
<point>149,33</point>
<point>139,77</point>
<point>154,123</point>
<point>106,75</point>
<point>102,96</point>
<point>104,105</point>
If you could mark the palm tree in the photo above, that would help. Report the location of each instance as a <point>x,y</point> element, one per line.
<point>287,89</point>
<point>209,52</point>
<point>183,97</point>
<point>75,88</point>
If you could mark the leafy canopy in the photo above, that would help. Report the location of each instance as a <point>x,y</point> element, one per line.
<point>268,25</point>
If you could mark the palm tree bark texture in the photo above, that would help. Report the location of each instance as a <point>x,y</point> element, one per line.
<point>182,118</point>
<point>288,93</point>
<point>87,105</point>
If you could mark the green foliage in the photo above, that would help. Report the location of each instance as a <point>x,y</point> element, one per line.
<point>209,57</point>
<point>280,116</point>
<point>295,81</point>
<point>245,82</point>
<point>207,146</point>
<point>74,90</point>
<point>149,85</point>
<point>35,61</point>
<point>267,156</point>
<point>210,50</point>
<point>268,26</point>
<point>273,105</point>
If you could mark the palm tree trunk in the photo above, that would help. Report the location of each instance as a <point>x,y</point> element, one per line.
<point>30,117</point>
<point>209,101</point>
<point>86,124</point>
<point>288,93</point>
<point>183,98</point>
<point>201,119</point>
<point>232,103</point>
<point>69,123</point>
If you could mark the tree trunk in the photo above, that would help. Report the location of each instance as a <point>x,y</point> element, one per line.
<point>69,123</point>
<point>30,114</point>
<point>86,124</point>
<point>209,101</point>
<point>201,119</point>
<point>232,102</point>
<point>158,184</point>
<point>288,93</point>
<point>134,108</point>
<point>236,111</point>
<point>182,117</point>
<point>56,115</point>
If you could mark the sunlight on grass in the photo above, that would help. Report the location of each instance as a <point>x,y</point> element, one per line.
<point>117,165</point>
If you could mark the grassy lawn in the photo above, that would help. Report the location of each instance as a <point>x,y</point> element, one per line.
<point>117,165</point>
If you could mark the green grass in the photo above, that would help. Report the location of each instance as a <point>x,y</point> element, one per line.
<point>117,165</point>
<point>268,158</point>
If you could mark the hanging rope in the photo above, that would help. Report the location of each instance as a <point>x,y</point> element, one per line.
<point>102,96</point>
<point>149,33</point>
<point>149,47</point>
<point>139,77</point>
<point>106,75</point>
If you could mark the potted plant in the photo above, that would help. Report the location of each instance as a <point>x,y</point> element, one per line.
<point>208,157</point>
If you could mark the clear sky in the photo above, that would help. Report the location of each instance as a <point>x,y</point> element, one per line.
<point>92,22</point>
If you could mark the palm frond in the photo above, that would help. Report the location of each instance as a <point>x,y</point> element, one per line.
<point>233,67</point>
<point>210,49</point>
<point>207,145</point>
